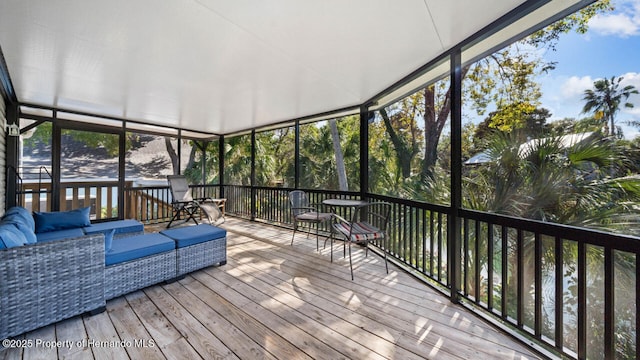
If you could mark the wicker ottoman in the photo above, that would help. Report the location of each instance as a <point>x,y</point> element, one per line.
<point>137,262</point>
<point>198,247</point>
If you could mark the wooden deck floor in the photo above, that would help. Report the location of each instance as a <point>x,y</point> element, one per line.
<point>277,301</point>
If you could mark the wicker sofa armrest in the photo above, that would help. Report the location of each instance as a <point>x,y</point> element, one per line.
<point>47,282</point>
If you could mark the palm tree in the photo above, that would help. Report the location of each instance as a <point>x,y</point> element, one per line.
<point>605,99</point>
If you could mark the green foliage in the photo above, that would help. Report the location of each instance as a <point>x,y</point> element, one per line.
<point>278,167</point>
<point>237,157</point>
<point>605,100</point>
<point>41,136</point>
<point>93,140</point>
<point>550,180</point>
<point>317,157</point>
<point>579,21</point>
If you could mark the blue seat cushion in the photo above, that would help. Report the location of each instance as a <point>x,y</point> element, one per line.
<point>136,247</point>
<point>120,226</point>
<point>192,235</point>
<point>60,234</point>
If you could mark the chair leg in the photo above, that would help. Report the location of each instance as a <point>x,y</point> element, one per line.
<point>350,261</point>
<point>386,247</point>
<point>386,264</point>
<point>344,247</point>
<point>295,227</point>
<point>176,215</point>
<point>193,218</point>
<point>327,238</point>
<point>332,247</point>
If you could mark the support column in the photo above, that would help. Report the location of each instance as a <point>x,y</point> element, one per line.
<point>297,156</point>
<point>221,165</point>
<point>56,149</point>
<point>121,172</point>
<point>253,175</point>
<point>12,154</point>
<point>454,232</point>
<point>364,150</point>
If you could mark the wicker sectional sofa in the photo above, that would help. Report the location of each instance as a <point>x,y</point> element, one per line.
<point>53,278</point>
<point>47,282</point>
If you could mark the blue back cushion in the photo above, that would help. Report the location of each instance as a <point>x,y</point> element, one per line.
<point>29,235</point>
<point>21,219</point>
<point>10,236</point>
<point>20,213</point>
<point>51,221</point>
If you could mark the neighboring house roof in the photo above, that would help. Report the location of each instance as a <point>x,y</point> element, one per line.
<point>566,141</point>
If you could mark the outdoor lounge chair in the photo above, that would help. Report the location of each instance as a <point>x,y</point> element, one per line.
<point>184,205</point>
<point>368,223</point>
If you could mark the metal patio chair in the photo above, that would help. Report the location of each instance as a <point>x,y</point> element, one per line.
<point>368,223</point>
<point>303,212</point>
<point>184,204</point>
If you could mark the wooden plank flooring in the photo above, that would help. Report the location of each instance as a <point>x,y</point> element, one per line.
<point>276,301</point>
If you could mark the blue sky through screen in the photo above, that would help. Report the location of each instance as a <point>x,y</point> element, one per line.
<point>611,47</point>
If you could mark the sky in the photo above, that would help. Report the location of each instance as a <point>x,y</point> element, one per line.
<point>611,47</point>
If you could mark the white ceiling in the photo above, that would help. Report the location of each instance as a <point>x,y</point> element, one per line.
<point>221,66</point>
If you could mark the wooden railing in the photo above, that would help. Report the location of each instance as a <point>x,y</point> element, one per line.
<point>100,196</point>
<point>150,204</point>
<point>573,289</point>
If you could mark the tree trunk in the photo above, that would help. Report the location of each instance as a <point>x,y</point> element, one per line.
<point>403,154</point>
<point>342,172</point>
<point>192,159</point>
<point>173,155</point>
<point>434,124</point>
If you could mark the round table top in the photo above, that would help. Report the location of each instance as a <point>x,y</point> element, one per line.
<point>344,202</point>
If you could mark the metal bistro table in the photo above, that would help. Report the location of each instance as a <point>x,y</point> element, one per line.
<point>344,203</point>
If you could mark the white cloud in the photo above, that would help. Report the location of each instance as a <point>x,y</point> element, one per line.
<point>633,79</point>
<point>623,22</point>
<point>573,88</point>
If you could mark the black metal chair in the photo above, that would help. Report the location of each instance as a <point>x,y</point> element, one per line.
<point>303,212</point>
<point>185,205</point>
<point>368,223</point>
